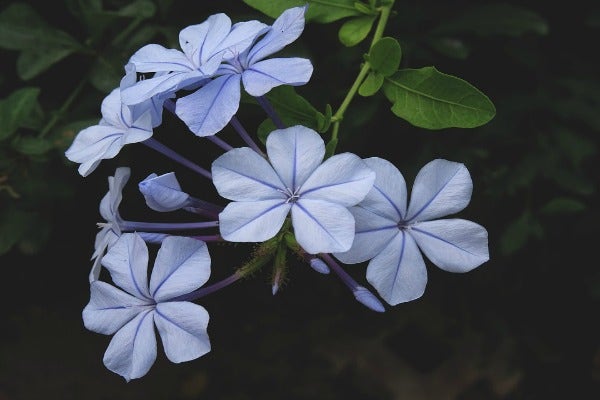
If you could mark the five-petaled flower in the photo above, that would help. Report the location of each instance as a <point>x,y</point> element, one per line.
<point>390,235</point>
<point>182,265</point>
<point>293,179</point>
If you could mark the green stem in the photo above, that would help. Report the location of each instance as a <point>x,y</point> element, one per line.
<point>55,118</point>
<point>366,67</point>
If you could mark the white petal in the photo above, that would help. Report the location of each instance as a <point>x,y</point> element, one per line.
<point>243,175</point>
<point>127,262</point>
<point>112,110</point>
<point>110,308</point>
<point>252,221</point>
<point>454,245</point>
<point>295,152</point>
<point>343,179</point>
<point>388,196</point>
<point>182,265</point>
<point>156,58</point>
<point>210,108</point>
<point>242,35</point>
<point>109,205</point>
<point>132,350</point>
<point>441,188</point>
<point>94,144</point>
<point>322,227</point>
<point>286,28</point>
<point>163,193</point>
<point>159,85</point>
<point>398,272</point>
<point>200,41</point>
<point>263,76</point>
<point>373,232</point>
<point>182,328</point>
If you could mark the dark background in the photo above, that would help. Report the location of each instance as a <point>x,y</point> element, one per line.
<point>522,326</point>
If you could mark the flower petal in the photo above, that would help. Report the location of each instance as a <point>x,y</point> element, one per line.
<point>441,188</point>
<point>112,110</point>
<point>252,221</point>
<point>343,179</point>
<point>182,328</point>
<point>210,108</point>
<point>242,35</point>
<point>388,196</point>
<point>454,245</point>
<point>398,272</point>
<point>109,205</point>
<point>285,29</point>
<point>182,265</point>
<point>127,262</point>
<point>160,85</point>
<point>372,233</point>
<point>263,76</point>
<point>156,58</point>
<point>199,41</point>
<point>295,152</point>
<point>243,175</point>
<point>110,308</point>
<point>163,193</point>
<point>132,350</point>
<point>322,227</point>
<point>94,144</point>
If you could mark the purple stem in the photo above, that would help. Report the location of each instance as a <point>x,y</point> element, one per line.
<point>165,226</point>
<point>208,238</point>
<point>161,148</point>
<point>198,293</point>
<point>266,105</point>
<point>244,134</point>
<point>219,142</point>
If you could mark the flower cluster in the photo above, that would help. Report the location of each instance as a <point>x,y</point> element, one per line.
<point>285,196</point>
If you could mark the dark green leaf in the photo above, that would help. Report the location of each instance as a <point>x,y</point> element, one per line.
<point>371,84</point>
<point>293,108</point>
<point>518,232</point>
<point>385,56</point>
<point>563,205</point>
<point>16,109</point>
<point>330,147</point>
<point>495,19</point>
<point>364,9</point>
<point>13,225</point>
<point>450,47</point>
<point>324,120</point>
<point>321,11</point>
<point>31,145</point>
<point>31,63</point>
<point>355,30</point>
<point>430,99</point>
<point>106,73</point>
<point>138,9</point>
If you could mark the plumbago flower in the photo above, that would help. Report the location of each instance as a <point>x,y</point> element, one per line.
<point>204,47</point>
<point>293,180</point>
<point>119,126</point>
<point>211,107</point>
<point>390,235</point>
<point>182,265</point>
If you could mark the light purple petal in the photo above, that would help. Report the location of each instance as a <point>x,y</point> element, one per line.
<point>104,239</point>
<point>110,308</point>
<point>242,35</point>
<point>163,193</point>
<point>454,245</point>
<point>182,328</point>
<point>295,152</point>
<point>243,175</point>
<point>182,265</point>
<point>156,58</point>
<point>388,196</point>
<point>160,84</point>
<point>263,76</point>
<point>210,108</point>
<point>372,233</point>
<point>200,41</point>
<point>132,350</point>
<point>127,262</point>
<point>112,110</point>
<point>109,205</point>
<point>343,179</point>
<point>398,272</point>
<point>252,221</point>
<point>286,28</point>
<point>322,226</point>
<point>441,188</point>
<point>94,144</point>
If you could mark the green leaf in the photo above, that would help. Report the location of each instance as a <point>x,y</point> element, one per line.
<point>563,205</point>
<point>355,30</point>
<point>495,19</point>
<point>16,109</point>
<point>320,11</point>
<point>293,108</point>
<point>31,63</point>
<point>324,120</point>
<point>371,84</point>
<point>518,233</point>
<point>138,9</point>
<point>106,73</point>
<point>330,147</point>
<point>385,56</point>
<point>13,226</point>
<point>450,47</point>
<point>31,145</point>
<point>364,9</point>
<point>431,99</point>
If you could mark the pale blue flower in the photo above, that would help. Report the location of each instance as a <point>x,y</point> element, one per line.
<point>163,193</point>
<point>109,210</point>
<point>210,108</point>
<point>204,47</point>
<point>182,265</point>
<point>103,141</point>
<point>293,180</point>
<point>390,235</point>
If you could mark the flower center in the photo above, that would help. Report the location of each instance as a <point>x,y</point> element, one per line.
<point>292,195</point>
<point>404,225</point>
